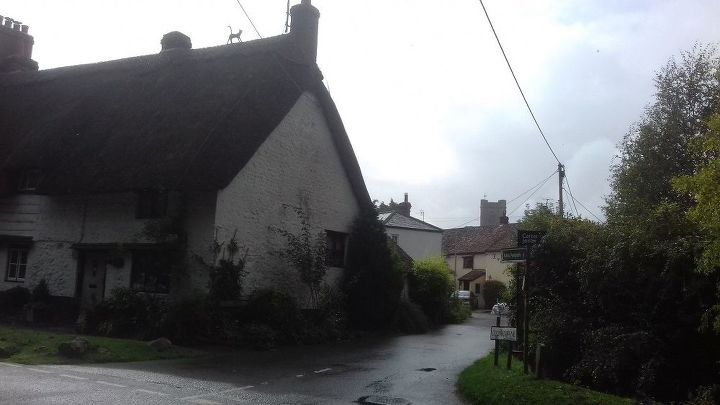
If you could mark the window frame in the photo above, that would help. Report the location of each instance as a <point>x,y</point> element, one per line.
<point>395,237</point>
<point>472,262</point>
<point>22,252</point>
<point>158,204</point>
<point>335,257</point>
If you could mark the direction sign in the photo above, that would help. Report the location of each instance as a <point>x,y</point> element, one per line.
<point>503,333</point>
<point>529,238</point>
<point>515,255</point>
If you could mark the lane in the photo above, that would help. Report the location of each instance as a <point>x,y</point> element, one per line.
<point>421,369</point>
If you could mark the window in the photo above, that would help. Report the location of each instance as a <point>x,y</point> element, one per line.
<point>467,262</point>
<point>152,204</point>
<point>477,288</point>
<point>395,238</point>
<point>17,264</point>
<point>151,272</point>
<point>29,180</point>
<point>335,249</point>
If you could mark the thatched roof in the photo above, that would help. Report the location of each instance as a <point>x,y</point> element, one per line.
<point>181,119</point>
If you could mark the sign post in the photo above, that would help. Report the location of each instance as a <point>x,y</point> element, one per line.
<point>528,240</point>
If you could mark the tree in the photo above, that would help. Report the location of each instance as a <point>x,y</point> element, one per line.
<point>704,188</point>
<point>373,280</point>
<point>657,148</point>
<point>307,253</point>
<point>383,208</point>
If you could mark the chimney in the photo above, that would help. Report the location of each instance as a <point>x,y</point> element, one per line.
<point>404,207</point>
<point>175,40</point>
<point>15,47</point>
<point>304,30</point>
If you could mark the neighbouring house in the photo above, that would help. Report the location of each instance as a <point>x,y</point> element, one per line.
<point>474,255</point>
<point>110,170</point>
<point>419,239</point>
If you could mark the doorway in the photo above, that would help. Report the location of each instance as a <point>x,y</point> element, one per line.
<point>93,279</point>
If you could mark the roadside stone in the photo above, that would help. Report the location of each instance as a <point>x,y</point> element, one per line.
<point>161,344</point>
<point>74,348</point>
<point>8,350</point>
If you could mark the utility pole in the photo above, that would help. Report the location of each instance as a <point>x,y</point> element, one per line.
<point>561,177</point>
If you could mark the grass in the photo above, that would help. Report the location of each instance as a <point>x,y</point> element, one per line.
<point>483,383</point>
<point>41,347</point>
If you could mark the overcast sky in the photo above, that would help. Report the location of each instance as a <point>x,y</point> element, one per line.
<point>430,107</point>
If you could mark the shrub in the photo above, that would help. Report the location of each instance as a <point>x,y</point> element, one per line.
<point>226,280</point>
<point>126,313</point>
<point>41,292</point>
<point>430,285</point>
<point>275,310</point>
<point>13,300</point>
<point>493,290</point>
<point>259,336</point>
<point>187,321</point>
<point>410,318</point>
<point>373,279</point>
<point>457,311</point>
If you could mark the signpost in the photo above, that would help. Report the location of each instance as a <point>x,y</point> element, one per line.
<point>503,333</point>
<point>514,255</point>
<point>529,241</point>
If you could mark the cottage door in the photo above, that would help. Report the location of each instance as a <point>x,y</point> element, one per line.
<point>93,284</point>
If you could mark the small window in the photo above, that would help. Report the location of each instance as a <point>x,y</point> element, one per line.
<point>335,249</point>
<point>467,262</point>
<point>151,272</point>
<point>395,238</point>
<point>17,264</point>
<point>152,204</point>
<point>29,180</point>
<point>477,288</point>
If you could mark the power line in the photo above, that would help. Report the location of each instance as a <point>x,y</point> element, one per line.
<point>533,193</point>
<point>569,190</point>
<point>518,83</point>
<point>249,19</point>
<point>532,188</point>
<point>472,220</point>
<point>581,204</point>
<point>573,206</point>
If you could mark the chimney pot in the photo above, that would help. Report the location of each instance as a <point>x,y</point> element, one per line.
<point>406,197</point>
<point>175,40</point>
<point>15,46</point>
<point>24,29</point>
<point>304,30</point>
<point>8,22</point>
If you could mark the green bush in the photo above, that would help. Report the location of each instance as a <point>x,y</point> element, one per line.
<point>493,291</point>
<point>187,321</point>
<point>13,300</point>
<point>41,292</point>
<point>457,311</point>
<point>128,314</point>
<point>226,280</point>
<point>431,285</point>
<point>373,278</point>
<point>410,318</point>
<point>276,310</point>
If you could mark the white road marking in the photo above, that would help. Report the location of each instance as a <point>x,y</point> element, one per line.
<point>40,371</point>
<point>322,370</point>
<point>204,402</point>
<point>151,392</point>
<point>299,376</point>
<point>74,377</point>
<point>111,384</point>
<point>191,397</point>
<point>12,365</point>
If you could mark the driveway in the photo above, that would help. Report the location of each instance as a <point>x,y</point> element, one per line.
<point>418,369</point>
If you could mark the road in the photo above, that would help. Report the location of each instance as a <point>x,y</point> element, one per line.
<point>417,369</point>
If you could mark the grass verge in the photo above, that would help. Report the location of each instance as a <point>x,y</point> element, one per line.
<point>40,347</point>
<point>483,383</point>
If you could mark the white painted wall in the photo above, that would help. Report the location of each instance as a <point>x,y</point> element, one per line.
<point>490,262</point>
<point>56,223</point>
<point>418,244</point>
<point>298,165</point>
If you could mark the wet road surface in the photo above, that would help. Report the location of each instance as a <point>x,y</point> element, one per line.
<point>418,369</point>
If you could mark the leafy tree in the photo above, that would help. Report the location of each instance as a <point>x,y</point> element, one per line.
<point>307,253</point>
<point>704,187</point>
<point>657,148</point>
<point>383,208</point>
<point>373,280</point>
